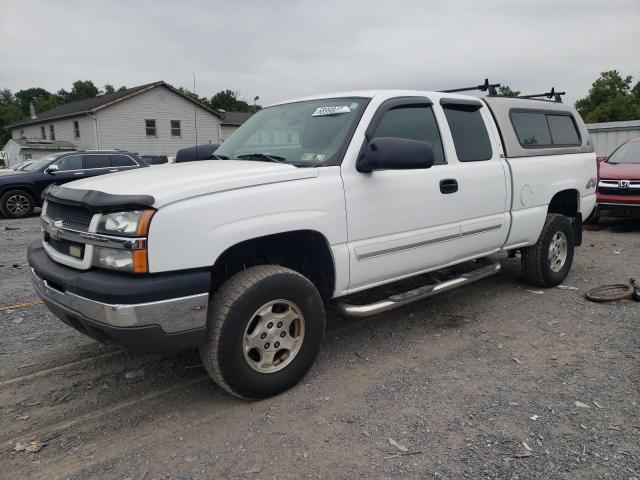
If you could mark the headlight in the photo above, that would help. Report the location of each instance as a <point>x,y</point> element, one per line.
<point>134,261</point>
<point>133,223</point>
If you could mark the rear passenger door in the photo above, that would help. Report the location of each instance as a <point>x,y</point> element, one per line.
<point>482,199</point>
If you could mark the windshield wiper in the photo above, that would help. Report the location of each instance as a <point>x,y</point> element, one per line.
<point>263,157</point>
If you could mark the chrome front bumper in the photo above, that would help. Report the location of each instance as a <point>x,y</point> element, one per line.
<point>173,315</point>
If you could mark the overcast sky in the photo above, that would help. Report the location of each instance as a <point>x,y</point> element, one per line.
<point>285,49</point>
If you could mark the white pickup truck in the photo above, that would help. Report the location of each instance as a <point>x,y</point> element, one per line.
<point>307,203</point>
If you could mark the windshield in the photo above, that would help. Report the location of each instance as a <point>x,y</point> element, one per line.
<point>41,164</point>
<point>307,133</point>
<point>626,153</point>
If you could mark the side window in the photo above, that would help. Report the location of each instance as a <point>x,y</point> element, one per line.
<point>469,132</point>
<point>540,129</point>
<point>531,128</point>
<point>71,162</point>
<point>121,161</point>
<point>563,130</point>
<point>413,122</point>
<point>97,161</point>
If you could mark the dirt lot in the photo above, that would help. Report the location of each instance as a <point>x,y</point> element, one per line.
<point>462,381</point>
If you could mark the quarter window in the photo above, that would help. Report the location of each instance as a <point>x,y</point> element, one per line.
<point>76,129</point>
<point>175,128</point>
<point>150,127</point>
<point>469,132</point>
<point>540,129</point>
<point>52,133</point>
<point>413,122</point>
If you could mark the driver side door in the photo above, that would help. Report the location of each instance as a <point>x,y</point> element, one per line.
<point>401,222</point>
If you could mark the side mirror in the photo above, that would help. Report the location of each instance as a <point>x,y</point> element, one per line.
<point>51,169</point>
<point>391,153</point>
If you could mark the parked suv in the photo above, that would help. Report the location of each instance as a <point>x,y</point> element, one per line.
<point>237,256</point>
<point>20,190</point>
<point>618,193</point>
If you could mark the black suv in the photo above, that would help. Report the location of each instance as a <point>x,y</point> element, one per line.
<point>20,190</point>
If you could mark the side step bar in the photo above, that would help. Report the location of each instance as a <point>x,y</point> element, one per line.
<point>402,299</point>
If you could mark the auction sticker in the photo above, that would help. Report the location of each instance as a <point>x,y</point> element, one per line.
<point>326,111</point>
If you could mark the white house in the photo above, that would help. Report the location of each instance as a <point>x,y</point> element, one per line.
<point>608,136</point>
<point>152,119</point>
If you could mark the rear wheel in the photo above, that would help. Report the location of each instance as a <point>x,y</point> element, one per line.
<point>265,327</point>
<point>547,263</point>
<point>17,204</point>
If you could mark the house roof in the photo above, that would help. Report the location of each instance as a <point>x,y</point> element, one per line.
<point>90,105</point>
<point>236,118</point>
<point>37,144</point>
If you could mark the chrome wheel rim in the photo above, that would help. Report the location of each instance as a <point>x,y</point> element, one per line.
<point>558,251</point>
<point>18,204</point>
<point>273,337</point>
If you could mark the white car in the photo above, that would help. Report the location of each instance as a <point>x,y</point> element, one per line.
<point>309,202</point>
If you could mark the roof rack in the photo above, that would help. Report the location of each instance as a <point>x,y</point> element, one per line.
<point>556,96</point>
<point>485,87</point>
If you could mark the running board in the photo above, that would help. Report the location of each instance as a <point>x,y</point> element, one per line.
<point>402,299</point>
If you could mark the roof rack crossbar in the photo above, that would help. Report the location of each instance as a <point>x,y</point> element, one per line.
<point>485,87</point>
<point>556,96</point>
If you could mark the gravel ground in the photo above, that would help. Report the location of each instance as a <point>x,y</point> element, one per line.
<point>496,380</point>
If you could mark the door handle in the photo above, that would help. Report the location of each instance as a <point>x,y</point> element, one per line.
<point>448,185</point>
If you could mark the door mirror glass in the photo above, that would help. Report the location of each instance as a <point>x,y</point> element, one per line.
<point>51,169</point>
<point>392,153</point>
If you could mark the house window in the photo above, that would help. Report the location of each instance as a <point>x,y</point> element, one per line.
<point>289,137</point>
<point>272,137</point>
<point>52,133</point>
<point>150,126</point>
<point>76,129</point>
<point>175,128</point>
<point>43,133</point>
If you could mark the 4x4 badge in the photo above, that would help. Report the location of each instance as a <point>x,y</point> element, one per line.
<point>623,184</point>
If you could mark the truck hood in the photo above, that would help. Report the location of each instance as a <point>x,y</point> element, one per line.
<point>178,181</point>
<point>620,171</point>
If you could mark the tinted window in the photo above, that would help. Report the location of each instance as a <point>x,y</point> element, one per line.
<point>563,130</point>
<point>414,122</point>
<point>72,162</point>
<point>121,161</point>
<point>97,161</point>
<point>469,132</point>
<point>531,128</point>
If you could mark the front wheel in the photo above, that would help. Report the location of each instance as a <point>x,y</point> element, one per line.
<point>265,327</point>
<point>17,204</point>
<point>547,263</point>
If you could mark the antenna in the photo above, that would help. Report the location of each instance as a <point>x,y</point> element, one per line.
<point>195,113</point>
<point>485,87</point>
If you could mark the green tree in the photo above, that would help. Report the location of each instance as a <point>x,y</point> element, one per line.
<point>506,91</point>
<point>230,101</point>
<point>10,113</point>
<point>30,95</point>
<point>81,90</point>
<point>108,88</point>
<point>611,98</point>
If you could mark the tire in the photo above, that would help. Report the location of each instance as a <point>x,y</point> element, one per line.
<point>17,204</point>
<point>594,218</point>
<point>234,327</point>
<point>541,263</point>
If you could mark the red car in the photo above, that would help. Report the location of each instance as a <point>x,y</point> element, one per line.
<point>618,193</point>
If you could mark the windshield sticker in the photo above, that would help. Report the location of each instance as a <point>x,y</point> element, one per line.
<point>325,111</point>
<point>308,157</point>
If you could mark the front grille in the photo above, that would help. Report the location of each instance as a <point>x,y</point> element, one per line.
<point>76,218</point>
<point>619,191</point>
